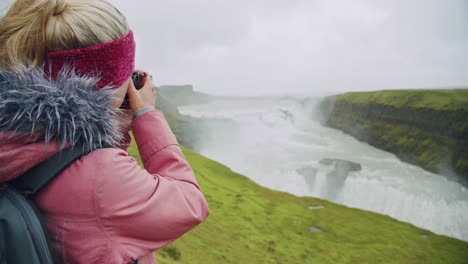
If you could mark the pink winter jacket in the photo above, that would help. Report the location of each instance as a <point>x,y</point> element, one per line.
<point>104,208</point>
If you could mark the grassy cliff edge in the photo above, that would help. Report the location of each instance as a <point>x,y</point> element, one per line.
<point>428,128</point>
<point>252,224</point>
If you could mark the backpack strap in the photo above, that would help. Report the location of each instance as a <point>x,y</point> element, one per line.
<point>39,176</point>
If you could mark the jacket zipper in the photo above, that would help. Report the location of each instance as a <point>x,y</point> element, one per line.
<point>37,232</point>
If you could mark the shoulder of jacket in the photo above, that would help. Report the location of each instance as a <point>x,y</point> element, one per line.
<point>106,166</point>
<point>103,156</point>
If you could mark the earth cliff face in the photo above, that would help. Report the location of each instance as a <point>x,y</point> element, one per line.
<point>435,138</point>
<point>168,99</point>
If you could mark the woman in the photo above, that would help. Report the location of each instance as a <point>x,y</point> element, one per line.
<point>65,67</point>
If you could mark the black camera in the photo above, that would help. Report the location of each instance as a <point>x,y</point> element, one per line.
<point>137,78</point>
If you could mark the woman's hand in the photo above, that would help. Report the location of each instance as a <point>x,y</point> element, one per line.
<point>144,97</point>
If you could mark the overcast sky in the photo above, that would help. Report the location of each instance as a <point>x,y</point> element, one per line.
<point>252,47</point>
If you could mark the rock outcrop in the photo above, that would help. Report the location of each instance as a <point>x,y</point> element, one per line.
<point>426,128</point>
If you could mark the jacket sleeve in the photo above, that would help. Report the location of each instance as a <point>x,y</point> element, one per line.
<point>146,209</point>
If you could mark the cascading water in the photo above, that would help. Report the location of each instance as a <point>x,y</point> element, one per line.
<point>280,144</point>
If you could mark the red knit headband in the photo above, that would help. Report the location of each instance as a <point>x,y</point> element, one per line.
<point>113,62</point>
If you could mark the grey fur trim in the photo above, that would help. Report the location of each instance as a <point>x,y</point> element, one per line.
<point>67,109</point>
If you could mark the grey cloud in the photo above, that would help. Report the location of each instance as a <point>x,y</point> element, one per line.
<point>302,46</point>
<point>253,47</point>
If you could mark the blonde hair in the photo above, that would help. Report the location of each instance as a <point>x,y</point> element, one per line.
<point>33,27</point>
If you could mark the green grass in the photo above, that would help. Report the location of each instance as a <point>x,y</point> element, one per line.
<point>252,224</point>
<point>433,99</point>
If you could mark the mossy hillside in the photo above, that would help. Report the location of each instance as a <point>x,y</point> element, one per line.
<point>177,121</point>
<point>443,99</point>
<point>252,224</point>
<point>424,127</point>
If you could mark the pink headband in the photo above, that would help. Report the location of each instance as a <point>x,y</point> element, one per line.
<point>113,62</point>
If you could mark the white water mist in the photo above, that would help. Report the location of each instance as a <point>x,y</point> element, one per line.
<point>279,142</point>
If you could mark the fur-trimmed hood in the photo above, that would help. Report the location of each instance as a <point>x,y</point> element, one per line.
<point>35,110</point>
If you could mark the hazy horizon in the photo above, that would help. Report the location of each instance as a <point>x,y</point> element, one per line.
<point>308,47</point>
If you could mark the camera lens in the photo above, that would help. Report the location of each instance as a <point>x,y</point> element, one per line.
<point>136,78</point>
